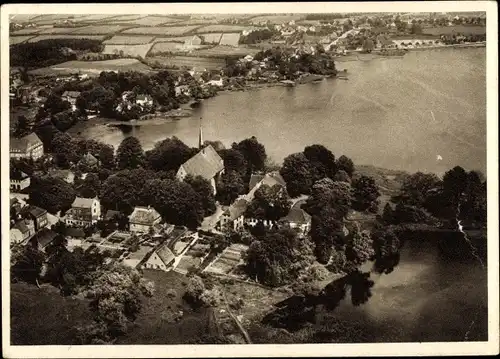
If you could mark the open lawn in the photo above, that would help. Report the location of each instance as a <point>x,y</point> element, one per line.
<point>190,62</point>
<point>13,40</point>
<point>93,67</point>
<point>128,50</point>
<point>52,37</point>
<point>129,40</point>
<point>43,317</point>
<point>449,30</point>
<point>161,31</point>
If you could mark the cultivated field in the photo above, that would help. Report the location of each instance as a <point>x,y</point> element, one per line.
<point>27,31</point>
<point>178,39</point>
<point>211,38</point>
<point>449,30</point>
<point>129,17</point>
<point>93,67</point>
<point>52,37</point>
<point>275,19</point>
<point>14,40</point>
<point>128,50</point>
<point>51,18</point>
<point>58,30</point>
<point>230,39</point>
<point>224,28</point>
<point>145,21</point>
<point>190,62</point>
<point>173,47</point>
<point>223,51</point>
<point>197,22</point>
<point>93,17</point>
<point>161,31</point>
<point>99,29</point>
<point>129,40</point>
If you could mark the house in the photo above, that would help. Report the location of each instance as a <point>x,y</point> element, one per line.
<point>216,81</point>
<point>257,180</point>
<point>182,90</point>
<point>22,230</point>
<point>29,146</point>
<point>233,217</point>
<point>16,206</point>
<point>43,238</point>
<point>83,212</point>
<point>144,219</point>
<point>248,58</point>
<point>230,39</point>
<point>88,160</point>
<point>144,100</point>
<point>207,163</point>
<point>71,97</point>
<point>66,175</point>
<point>299,219</point>
<point>162,259</point>
<point>19,181</point>
<point>37,215</point>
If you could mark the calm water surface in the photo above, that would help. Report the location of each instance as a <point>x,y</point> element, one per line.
<point>381,116</point>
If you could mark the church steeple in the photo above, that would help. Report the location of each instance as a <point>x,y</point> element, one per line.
<point>200,137</point>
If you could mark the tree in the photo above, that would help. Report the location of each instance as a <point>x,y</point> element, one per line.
<point>296,171</point>
<point>254,153</point>
<point>54,104</point>
<point>168,154</point>
<point>322,162</point>
<point>365,194</point>
<point>91,186</point>
<point>368,45</point>
<point>230,187</point>
<point>115,296</point>
<point>130,154</point>
<point>118,193</point>
<point>28,265</point>
<point>386,245</point>
<point>269,203</point>
<point>359,247</point>
<point>345,164</point>
<point>342,176</point>
<point>53,194</point>
<point>64,149</point>
<point>328,194</point>
<point>205,190</point>
<point>417,187</point>
<point>23,127</point>
<point>234,161</point>
<point>278,257</point>
<point>326,233</point>
<point>411,214</point>
<point>416,29</point>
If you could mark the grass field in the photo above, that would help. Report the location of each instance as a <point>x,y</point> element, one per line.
<point>93,67</point>
<point>27,31</point>
<point>223,28</point>
<point>13,40</point>
<point>223,51</point>
<point>190,62</point>
<point>128,50</point>
<point>161,31</point>
<point>146,21</point>
<point>276,19</point>
<point>448,30</point>
<point>178,39</point>
<point>99,29</point>
<point>163,47</point>
<point>58,30</point>
<point>129,40</point>
<point>93,17</point>
<point>52,37</point>
<point>211,38</point>
<point>197,22</point>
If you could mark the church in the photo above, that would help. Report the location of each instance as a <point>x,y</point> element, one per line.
<point>206,163</point>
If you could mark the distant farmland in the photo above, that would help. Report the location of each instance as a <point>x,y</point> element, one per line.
<point>27,31</point>
<point>224,28</point>
<point>161,31</point>
<point>99,29</point>
<point>145,21</point>
<point>189,61</point>
<point>58,30</point>
<point>225,51</point>
<point>93,67</point>
<point>276,19</point>
<point>13,40</point>
<point>52,37</point>
<point>449,30</point>
<point>129,40</point>
<point>128,50</point>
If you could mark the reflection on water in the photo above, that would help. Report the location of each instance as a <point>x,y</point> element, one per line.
<point>381,116</point>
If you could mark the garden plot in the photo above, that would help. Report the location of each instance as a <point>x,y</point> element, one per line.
<point>117,238</point>
<point>228,260</point>
<point>193,257</point>
<point>129,40</point>
<point>128,50</point>
<point>161,31</point>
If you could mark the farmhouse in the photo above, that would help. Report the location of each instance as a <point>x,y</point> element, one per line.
<point>71,97</point>
<point>216,81</point>
<point>37,214</point>
<point>29,146</point>
<point>66,175</point>
<point>144,100</point>
<point>299,219</point>
<point>83,212</point>
<point>22,231</point>
<point>233,217</point>
<point>162,259</point>
<point>19,181</point>
<point>144,219</point>
<point>207,163</point>
<point>43,238</point>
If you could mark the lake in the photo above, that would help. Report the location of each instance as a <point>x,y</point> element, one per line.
<point>381,116</point>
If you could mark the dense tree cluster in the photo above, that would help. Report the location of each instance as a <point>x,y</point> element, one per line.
<point>269,203</point>
<point>53,194</point>
<point>257,36</point>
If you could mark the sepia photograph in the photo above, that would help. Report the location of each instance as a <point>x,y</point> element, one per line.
<point>223,175</point>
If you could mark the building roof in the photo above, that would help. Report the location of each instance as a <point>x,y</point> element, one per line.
<point>237,208</point>
<point>142,98</point>
<point>72,94</point>
<point>89,159</point>
<point>206,163</point>
<point>22,144</point>
<point>44,237</point>
<point>230,39</point>
<point>34,211</point>
<point>144,215</point>
<point>254,179</point>
<point>110,214</point>
<point>18,175</point>
<point>270,179</point>
<point>165,254</point>
<point>23,225</point>
<point>80,202</point>
<point>298,215</point>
